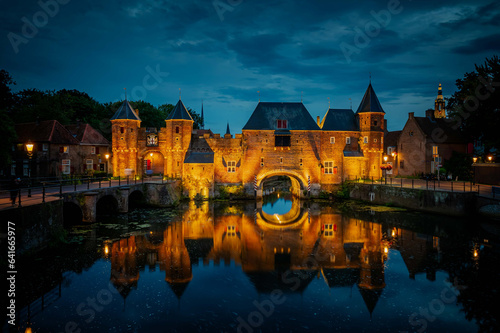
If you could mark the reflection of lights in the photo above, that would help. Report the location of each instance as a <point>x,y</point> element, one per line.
<point>386,249</point>
<point>475,253</point>
<point>278,195</point>
<point>393,233</point>
<point>277,217</point>
<point>28,330</point>
<point>106,249</point>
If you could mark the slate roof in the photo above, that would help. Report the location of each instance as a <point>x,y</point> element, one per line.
<point>179,112</point>
<point>339,120</point>
<point>353,153</point>
<point>195,157</point>
<point>440,129</point>
<point>391,139</point>
<point>266,114</point>
<point>50,131</point>
<point>125,111</point>
<point>86,134</point>
<point>370,102</point>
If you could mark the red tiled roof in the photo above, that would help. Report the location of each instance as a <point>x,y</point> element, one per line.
<point>45,131</point>
<point>87,134</point>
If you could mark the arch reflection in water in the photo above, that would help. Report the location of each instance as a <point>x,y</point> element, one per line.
<point>311,243</point>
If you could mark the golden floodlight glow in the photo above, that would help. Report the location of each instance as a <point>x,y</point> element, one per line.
<point>393,233</point>
<point>474,159</point>
<point>386,249</point>
<point>107,156</point>
<point>151,154</point>
<point>489,158</point>
<point>385,158</point>
<point>106,249</point>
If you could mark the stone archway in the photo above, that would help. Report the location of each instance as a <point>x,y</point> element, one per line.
<point>299,183</point>
<point>153,162</point>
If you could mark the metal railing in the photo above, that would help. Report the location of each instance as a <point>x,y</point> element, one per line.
<point>433,185</point>
<point>39,190</point>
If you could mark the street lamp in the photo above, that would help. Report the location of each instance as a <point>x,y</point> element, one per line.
<point>489,158</point>
<point>474,160</point>
<point>29,149</point>
<point>107,163</point>
<point>385,169</point>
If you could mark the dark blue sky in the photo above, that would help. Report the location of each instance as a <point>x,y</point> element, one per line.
<point>224,51</point>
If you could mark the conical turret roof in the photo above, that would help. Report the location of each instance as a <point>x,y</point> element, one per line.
<point>179,112</point>
<point>370,102</point>
<point>125,111</point>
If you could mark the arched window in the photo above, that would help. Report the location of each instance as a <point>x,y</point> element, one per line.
<point>176,129</point>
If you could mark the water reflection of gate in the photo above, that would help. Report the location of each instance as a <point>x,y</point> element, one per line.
<point>341,249</point>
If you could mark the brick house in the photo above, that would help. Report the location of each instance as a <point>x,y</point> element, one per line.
<point>426,142</point>
<point>391,151</point>
<point>57,150</point>
<point>93,148</point>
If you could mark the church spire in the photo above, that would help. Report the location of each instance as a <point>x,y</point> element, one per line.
<point>227,129</point>
<point>439,104</point>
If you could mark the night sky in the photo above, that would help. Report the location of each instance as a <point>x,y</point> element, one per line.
<point>224,51</point>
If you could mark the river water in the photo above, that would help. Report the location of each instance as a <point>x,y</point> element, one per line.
<point>285,266</point>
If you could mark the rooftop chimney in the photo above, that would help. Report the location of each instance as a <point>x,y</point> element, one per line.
<point>411,115</point>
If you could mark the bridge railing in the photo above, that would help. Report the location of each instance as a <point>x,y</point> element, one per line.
<point>36,190</point>
<point>433,185</point>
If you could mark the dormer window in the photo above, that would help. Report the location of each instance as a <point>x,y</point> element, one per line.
<point>282,124</point>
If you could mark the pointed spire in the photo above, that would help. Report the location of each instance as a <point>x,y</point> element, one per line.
<point>227,129</point>
<point>179,112</point>
<point>125,111</point>
<point>202,116</point>
<point>370,102</point>
<point>125,93</point>
<point>440,92</point>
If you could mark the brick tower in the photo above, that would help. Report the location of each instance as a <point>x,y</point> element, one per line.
<point>370,117</point>
<point>125,125</point>
<point>439,104</point>
<point>177,136</point>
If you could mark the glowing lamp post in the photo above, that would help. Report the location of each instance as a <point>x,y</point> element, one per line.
<point>474,160</point>
<point>107,163</point>
<point>490,158</point>
<point>29,149</point>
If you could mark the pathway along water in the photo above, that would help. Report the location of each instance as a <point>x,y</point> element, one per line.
<point>225,268</point>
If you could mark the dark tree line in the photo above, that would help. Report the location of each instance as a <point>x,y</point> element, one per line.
<point>68,107</point>
<point>475,107</point>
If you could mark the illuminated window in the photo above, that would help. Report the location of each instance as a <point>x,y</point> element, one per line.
<point>281,124</point>
<point>66,167</point>
<point>329,167</point>
<point>45,147</point>
<point>435,150</point>
<point>90,164</point>
<point>92,150</point>
<point>231,231</point>
<point>348,140</point>
<point>329,230</point>
<point>332,140</point>
<point>231,166</point>
<point>365,139</point>
<point>64,149</point>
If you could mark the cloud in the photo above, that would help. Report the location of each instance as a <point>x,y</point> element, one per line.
<point>480,45</point>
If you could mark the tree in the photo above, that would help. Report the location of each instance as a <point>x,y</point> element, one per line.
<point>6,125</point>
<point>474,107</point>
